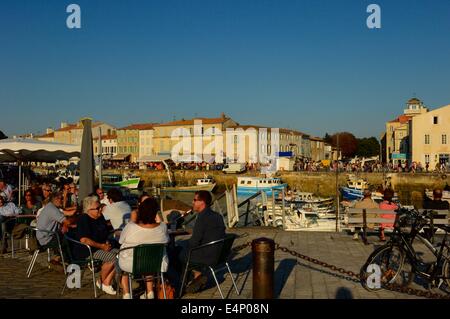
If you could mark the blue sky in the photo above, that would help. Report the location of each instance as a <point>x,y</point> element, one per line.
<point>308,65</point>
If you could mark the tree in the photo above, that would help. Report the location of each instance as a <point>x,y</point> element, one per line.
<point>327,138</point>
<point>2,136</point>
<point>348,144</point>
<point>368,147</point>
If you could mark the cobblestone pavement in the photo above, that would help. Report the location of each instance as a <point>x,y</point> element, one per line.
<point>292,280</point>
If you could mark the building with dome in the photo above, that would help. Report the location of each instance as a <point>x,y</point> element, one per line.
<point>398,132</point>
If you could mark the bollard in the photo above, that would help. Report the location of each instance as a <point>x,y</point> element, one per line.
<point>263,268</point>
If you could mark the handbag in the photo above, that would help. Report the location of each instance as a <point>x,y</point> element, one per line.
<point>170,290</point>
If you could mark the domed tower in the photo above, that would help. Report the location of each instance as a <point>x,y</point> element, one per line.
<point>415,106</point>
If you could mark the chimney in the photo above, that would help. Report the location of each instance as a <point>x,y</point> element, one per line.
<point>48,130</point>
<point>223,116</point>
<point>64,124</point>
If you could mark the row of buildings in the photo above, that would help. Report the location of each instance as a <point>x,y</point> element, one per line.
<point>418,135</point>
<point>195,139</point>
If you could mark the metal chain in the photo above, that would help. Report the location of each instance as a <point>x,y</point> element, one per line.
<point>243,246</point>
<point>392,287</point>
<point>351,274</point>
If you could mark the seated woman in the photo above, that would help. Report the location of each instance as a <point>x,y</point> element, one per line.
<point>92,230</point>
<point>146,230</point>
<point>30,205</point>
<point>387,204</point>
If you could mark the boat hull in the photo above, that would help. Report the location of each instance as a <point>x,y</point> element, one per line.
<point>189,189</point>
<point>351,193</point>
<point>253,190</point>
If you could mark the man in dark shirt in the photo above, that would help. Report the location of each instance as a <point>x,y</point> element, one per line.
<point>209,226</point>
<point>437,202</point>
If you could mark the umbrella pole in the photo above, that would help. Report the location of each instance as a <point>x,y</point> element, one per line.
<point>20,183</point>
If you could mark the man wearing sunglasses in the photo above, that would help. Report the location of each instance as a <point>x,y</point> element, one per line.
<point>209,226</point>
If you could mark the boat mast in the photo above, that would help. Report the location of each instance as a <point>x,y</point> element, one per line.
<point>337,186</point>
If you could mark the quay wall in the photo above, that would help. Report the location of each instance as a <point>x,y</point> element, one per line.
<point>409,187</point>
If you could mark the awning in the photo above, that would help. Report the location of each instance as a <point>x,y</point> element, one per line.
<point>28,150</point>
<point>121,157</point>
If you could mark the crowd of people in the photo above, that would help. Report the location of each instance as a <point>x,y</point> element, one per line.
<point>106,223</point>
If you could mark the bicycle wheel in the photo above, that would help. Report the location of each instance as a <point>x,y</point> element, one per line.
<point>390,260</point>
<point>446,276</point>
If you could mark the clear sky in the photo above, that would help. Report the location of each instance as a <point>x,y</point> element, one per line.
<point>308,65</point>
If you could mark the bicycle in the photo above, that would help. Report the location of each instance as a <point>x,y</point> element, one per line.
<point>398,254</point>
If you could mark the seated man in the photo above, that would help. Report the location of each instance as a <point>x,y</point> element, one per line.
<point>52,219</point>
<point>7,209</point>
<point>366,203</point>
<point>437,203</point>
<point>6,190</point>
<point>209,226</point>
<point>117,209</point>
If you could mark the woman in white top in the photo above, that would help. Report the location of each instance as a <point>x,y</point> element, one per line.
<point>146,230</point>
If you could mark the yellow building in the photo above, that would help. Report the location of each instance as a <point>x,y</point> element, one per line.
<point>128,143</point>
<point>397,131</point>
<point>430,134</point>
<point>191,138</point>
<point>73,133</point>
<point>317,148</point>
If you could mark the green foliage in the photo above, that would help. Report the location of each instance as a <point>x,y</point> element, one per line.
<point>368,147</point>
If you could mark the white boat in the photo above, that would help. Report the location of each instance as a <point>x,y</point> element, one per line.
<point>305,197</point>
<point>295,220</point>
<point>252,185</point>
<point>206,183</point>
<point>354,190</point>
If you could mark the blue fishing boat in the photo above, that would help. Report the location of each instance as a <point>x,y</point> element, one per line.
<point>252,185</point>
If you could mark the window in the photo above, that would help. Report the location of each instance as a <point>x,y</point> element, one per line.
<point>427,158</point>
<point>444,138</point>
<point>427,139</point>
<point>435,120</point>
<point>213,130</point>
<point>242,182</point>
<point>235,139</point>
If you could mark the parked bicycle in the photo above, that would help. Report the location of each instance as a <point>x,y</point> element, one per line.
<point>398,260</point>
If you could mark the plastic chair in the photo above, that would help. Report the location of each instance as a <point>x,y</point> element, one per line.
<point>47,248</point>
<point>147,260</point>
<point>90,262</point>
<point>7,231</point>
<point>222,259</point>
<point>7,228</point>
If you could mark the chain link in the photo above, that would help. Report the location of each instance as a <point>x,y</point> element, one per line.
<point>243,246</point>
<point>351,274</point>
<point>392,287</point>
